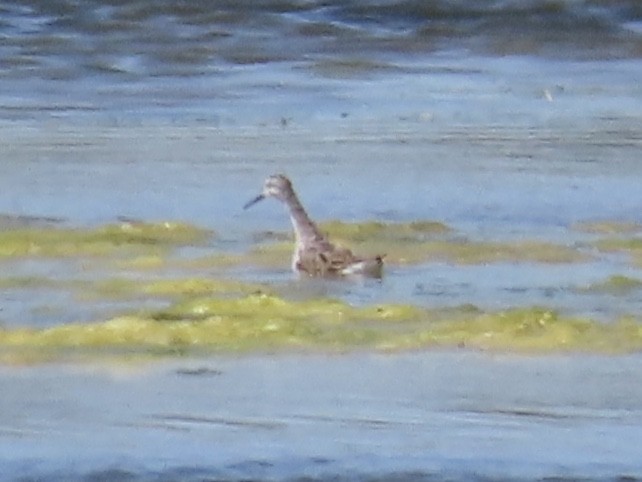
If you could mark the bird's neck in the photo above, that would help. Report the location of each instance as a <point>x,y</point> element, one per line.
<point>305,230</point>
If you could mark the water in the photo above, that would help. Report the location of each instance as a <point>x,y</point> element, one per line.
<point>424,417</point>
<point>506,120</point>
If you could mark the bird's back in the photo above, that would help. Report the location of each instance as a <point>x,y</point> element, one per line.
<point>329,260</point>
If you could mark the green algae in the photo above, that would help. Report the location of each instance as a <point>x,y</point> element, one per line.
<point>270,255</point>
<point>144,262</point>
<point>252,322</point>
<point>401,243</point>
<point>270,308</point>
<point>456,251</point>
<point>607,227</point>
<point>221,315</point>
<point>162,233</point>
<point>102,241</point>
<point>620,244</point>
<point>27,282</point>
<point>359,232</point>
<point>420,242</point>
<point>170,288</point>
<point>261,322</point>
<point>615,285</point>
<point>468,252</point>
<point>366,238</point>
<point>629,246</point>
<point>532,330</point>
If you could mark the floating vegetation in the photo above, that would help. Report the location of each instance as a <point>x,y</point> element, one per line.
<point>136,267</point>
<point>270,255</point>
<point>174,288</point>
<point>143,262</point>
<point>620,244</point>
<point>630,246</point>
<point>616,285</point>
<point>270,309</point>
<point>262,322</point>
<point>359,232</point>
<point>608,227</point>
<point>468,252</point>
<point>420,242</point>
<point>533,330</point>
<point>259,322</point>
<point>162,233</point>
<point>101,241</point>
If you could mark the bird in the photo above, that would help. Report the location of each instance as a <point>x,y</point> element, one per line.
<point>314,254</point>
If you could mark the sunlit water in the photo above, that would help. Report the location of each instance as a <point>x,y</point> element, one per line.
<point>513,120</point>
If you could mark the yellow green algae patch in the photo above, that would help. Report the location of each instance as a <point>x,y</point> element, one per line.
<point>419,242</point>
<point>470,252</point>
<point>631,246</point>
<point>258,322</point>
<point>456,251</point>
<point>29,282</point>
<point>365,238</point>
<point>279,250</point>
<point>533,330</point>
<point>170,288</point>
<point>401,243</point>
<point>143,262</point>
<point>263,322</point>
<point>620,244</point>
<point>616,284</point>
<point>363,231</point>
<point>100,241</point>
<point>608,227</point>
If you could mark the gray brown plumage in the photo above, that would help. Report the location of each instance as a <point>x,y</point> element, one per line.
<point>314,254</point>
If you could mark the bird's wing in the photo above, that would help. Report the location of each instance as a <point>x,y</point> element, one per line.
<point>324,262</point>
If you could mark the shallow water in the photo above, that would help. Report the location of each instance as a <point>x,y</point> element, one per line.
<point>508,121</point>
<point>432,416</point>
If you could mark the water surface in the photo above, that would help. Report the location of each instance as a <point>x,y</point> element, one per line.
<point>418,417</point>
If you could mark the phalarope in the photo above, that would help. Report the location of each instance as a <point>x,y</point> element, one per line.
<point>314,254</point>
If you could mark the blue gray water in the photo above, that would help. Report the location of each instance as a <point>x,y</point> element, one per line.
<point>504,119</point>
<point>418,417</point>
<point>212,61</point>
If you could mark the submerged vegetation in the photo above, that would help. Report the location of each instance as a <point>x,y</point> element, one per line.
<point>177,303</point>
<point>616,285</point>
<point>106,240</point>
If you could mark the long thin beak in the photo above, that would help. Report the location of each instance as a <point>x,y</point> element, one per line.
<point>258,198</point>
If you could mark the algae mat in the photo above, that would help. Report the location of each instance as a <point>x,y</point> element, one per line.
<point>268,323</point>
<point>170,290</point>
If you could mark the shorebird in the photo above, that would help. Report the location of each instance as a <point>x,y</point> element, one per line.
<point>314,254</point>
